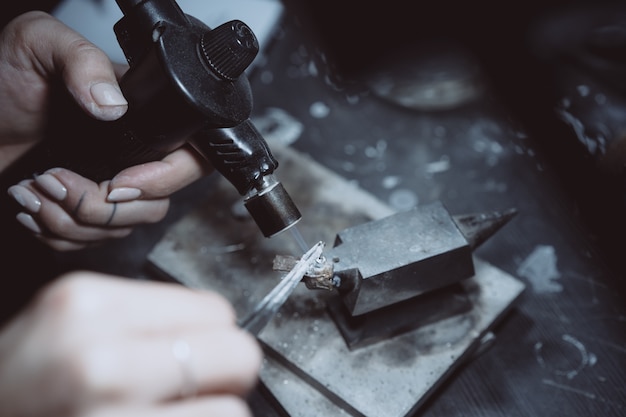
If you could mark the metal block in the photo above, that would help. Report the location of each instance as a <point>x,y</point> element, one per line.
<point>400,256</point>
<point>398,318</point>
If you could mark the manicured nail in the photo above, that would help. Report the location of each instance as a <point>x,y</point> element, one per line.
<point>25,198</point>
<point>28,222</point>
<point>110,103</point>
<point>123,194</point>
<point>107,95</point>
<point>52,186</point>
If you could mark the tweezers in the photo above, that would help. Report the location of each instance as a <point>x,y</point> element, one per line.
<point>271,303</point>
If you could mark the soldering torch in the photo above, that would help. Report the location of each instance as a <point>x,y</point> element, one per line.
<point>186,83</point>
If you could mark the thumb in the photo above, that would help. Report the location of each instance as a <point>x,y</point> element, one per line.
<point>85,69</point>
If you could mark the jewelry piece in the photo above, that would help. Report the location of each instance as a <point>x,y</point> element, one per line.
<point>182,353</point>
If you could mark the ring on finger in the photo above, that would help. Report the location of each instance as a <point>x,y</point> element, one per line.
<point>182,353</point>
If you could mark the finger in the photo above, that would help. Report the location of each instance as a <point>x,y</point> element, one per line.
<point>31,203</point>
<point>62,245</point>
<point>57,223</point>
<point>39,230</point>
<point>52,225</point>
<point>222,360</point>
<point>48,218</point>
<point>50,47</point>
<point>85,202</point>
<point>139,304</point>
<point>160,178</point>
<point>209,406</point>
<point>146,369</point>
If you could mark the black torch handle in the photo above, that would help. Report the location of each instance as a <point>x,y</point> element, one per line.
<point>240,154</point>
<point>183,77</point>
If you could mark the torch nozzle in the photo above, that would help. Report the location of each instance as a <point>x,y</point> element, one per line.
<point>271,207</point>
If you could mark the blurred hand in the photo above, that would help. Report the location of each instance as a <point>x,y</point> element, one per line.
<point>64,210</point>
<point>96,345</point>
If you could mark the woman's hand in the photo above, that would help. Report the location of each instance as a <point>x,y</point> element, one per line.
<point>97,345</point>
<point>35,49</point>
<point>69,212</point>
<point>64,210</point>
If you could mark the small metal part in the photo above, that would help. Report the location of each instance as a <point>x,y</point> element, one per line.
<point>319,276</point>
<point>284,263</point>
<point>268,307</point>
<point>409,253</point>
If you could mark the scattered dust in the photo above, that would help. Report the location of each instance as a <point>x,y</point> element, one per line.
<point>442,165</point>
<point>541,270</point>
<point>319,110</point>
<point>570,351</point>
<point>390,181</point>
<point>403,199</point>
<point>278,127</point>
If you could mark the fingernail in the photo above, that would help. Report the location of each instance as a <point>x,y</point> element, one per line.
<point>107,95</point>
<point>52,186</point>
<point>123,194</point>
<point>25,198</point>
<point>28,222</point>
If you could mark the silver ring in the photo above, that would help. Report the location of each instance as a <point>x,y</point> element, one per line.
<point>182,353</point>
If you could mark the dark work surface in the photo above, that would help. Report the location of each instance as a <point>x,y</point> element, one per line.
<point>562,350</point>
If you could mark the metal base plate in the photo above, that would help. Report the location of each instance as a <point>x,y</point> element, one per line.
<point>309,368</point>
<point>399,318</point>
